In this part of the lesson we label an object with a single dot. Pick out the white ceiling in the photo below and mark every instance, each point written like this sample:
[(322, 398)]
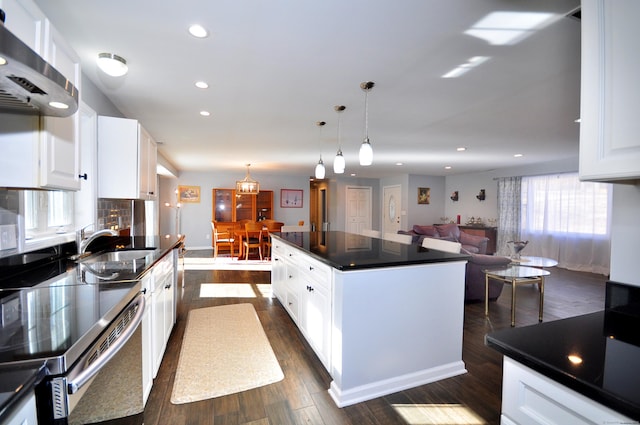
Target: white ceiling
[(275, 67)]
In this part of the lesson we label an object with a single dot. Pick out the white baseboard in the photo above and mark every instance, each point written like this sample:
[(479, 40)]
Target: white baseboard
[(376, 389)]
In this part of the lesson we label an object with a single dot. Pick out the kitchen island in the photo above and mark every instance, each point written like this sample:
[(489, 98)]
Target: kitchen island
[(381, 316)]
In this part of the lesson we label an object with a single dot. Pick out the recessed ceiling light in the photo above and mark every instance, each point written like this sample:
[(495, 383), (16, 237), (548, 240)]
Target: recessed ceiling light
[(447, 167), (461, 149), (205, 113), (518, 155), (202, 85), (3, 61), (198, 31), (399, 163), (353, 174)]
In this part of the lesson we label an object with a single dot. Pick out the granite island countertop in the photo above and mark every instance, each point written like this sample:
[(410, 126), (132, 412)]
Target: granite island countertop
[(349, 251), (607, 342)]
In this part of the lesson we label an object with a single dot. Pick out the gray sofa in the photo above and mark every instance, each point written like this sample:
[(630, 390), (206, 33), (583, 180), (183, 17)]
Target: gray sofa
[(474, 279), (451, 232)]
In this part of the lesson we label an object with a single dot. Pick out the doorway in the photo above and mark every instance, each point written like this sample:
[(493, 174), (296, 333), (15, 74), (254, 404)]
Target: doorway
[(391, 208), (319, 205), (358, 209)]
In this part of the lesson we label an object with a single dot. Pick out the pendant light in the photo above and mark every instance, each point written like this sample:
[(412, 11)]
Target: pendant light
[(320, 165), (366, 151), (339, 163), (247, 186)]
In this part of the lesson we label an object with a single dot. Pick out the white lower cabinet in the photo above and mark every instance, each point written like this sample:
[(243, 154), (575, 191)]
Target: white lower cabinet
[(158, 319), (529, 397), (147, 346), (303, 286), (161, 309), (25, 414)]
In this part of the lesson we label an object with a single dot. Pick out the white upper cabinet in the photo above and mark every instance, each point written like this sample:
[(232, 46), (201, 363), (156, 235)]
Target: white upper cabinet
[(610, 91), (127, 157), (40, 152), (60, 140), (25, 20)]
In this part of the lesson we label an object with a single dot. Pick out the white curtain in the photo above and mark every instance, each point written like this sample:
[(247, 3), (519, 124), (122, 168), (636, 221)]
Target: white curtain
[(567, 220), (509, 206)]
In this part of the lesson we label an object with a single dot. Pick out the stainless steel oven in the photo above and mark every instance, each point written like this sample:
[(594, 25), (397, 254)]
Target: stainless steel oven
[(90, 339)]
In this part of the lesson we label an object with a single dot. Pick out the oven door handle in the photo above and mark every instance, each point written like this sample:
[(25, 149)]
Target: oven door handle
[(87, 374)]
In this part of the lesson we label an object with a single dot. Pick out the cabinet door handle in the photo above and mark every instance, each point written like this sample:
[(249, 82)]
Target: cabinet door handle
[(83, 176), (167, 286)]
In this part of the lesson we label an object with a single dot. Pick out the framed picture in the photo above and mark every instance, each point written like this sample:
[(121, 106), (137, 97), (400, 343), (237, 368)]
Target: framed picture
[(424, 195), (189, 194), (291, 198)]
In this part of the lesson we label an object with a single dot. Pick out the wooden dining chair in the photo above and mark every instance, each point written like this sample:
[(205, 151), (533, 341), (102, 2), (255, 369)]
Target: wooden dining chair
[(223, 238), (253, 238)]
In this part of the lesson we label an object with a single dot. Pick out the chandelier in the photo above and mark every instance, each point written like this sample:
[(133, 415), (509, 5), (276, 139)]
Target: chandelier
[(247, 186)]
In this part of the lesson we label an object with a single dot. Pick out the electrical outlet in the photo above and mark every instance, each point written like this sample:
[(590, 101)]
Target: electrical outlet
[(8, 236)]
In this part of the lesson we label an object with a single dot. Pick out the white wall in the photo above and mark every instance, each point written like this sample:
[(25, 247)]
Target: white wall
[(625, 234), (425, 214), (196, 217), (468, 186)]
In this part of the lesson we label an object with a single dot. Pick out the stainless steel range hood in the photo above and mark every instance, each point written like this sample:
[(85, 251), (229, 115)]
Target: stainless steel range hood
[(29, 85)]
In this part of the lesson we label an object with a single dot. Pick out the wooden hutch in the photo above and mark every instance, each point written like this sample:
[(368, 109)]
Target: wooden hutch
[(229, 207)]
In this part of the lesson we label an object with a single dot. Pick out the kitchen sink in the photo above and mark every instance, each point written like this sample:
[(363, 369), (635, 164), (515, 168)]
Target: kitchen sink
[(115, 265), (118, 256)]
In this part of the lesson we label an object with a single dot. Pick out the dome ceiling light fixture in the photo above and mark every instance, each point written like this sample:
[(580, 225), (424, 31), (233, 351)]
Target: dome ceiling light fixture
[(320, 171), (366, 151), (112, 65), (339, 162)]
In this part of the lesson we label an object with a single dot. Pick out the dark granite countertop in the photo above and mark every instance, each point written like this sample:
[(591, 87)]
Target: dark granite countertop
[(349, 251), (607, 342)]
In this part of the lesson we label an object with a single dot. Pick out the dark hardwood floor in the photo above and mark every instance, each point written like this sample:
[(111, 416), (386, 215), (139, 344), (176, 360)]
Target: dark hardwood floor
[(302, 398)]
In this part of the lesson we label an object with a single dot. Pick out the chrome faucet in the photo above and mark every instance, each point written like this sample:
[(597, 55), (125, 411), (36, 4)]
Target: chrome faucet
[(83, 241)]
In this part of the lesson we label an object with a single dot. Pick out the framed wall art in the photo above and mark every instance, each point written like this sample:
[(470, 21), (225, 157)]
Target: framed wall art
[(424, 195), (188, 194), (291, 198)]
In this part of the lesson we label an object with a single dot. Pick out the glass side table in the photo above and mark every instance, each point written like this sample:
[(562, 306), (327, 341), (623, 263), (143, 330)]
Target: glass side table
[(515, 275)]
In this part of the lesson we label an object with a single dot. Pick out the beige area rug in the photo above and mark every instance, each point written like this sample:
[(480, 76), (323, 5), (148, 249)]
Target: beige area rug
[(225, 263), (224, 351)]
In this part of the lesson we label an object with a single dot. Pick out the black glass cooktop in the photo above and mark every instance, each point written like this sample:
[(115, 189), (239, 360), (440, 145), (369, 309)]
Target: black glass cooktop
[(58, 319)]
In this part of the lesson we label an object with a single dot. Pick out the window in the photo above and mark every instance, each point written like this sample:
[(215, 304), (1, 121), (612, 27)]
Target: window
[(562, 204), (47, 212), (567, 220)]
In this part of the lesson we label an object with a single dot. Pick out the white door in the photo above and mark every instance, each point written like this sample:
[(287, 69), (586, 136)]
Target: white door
[(358, 209), (391, 209)]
